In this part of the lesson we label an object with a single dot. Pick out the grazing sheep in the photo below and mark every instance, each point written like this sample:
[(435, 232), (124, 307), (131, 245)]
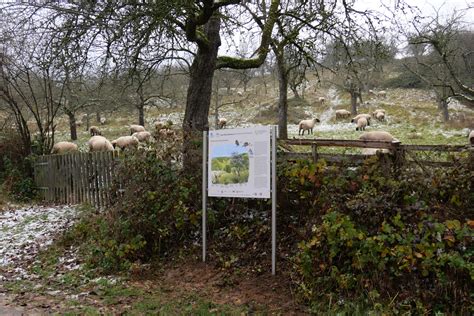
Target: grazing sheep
[(78, 123), (95, 131), (136, 128), (142, 136), (371, 93), (102, 120), (382, 94), (376, 136), (167, 132), (99, 143), (221, 123), (159, 125), (307, 125), (63, 148), (380, 116), (361, 124), (342, 114), (125, 142), (321, 100), (471, 138), (363, 115)]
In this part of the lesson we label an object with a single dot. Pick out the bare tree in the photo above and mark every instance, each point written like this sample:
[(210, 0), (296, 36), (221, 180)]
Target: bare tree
[(442, 56), (30, 87)]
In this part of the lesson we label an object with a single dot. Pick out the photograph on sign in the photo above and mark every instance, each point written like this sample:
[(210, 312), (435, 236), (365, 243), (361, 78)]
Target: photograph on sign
[(239, 162)]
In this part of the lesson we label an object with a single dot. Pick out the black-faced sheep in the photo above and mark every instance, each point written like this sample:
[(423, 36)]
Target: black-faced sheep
[(361, 124), (321, 100), (136, 128), (142, 136), (357, 117), (102, 120), (307, 125), (221, 123), (380, 116), (471, 138), (99, 143), (342, 114), (94, 130), (125, 142), (63, 148)]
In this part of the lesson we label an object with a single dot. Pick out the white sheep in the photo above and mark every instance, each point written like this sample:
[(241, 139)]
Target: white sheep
[(142, 136), (102, 120), (471, 138), (63, 147), (342, 114), (125, 142), (376, 136), (167, 132), (361, 124), (307, 125), (136, 128), (99, 143), (371, 93), (382, 94), (321, 100), (221, 123), (362, 115), (159, 125), (94, 130), (380, 116)]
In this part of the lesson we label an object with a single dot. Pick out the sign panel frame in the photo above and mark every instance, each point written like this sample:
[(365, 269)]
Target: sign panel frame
[(241, 184)]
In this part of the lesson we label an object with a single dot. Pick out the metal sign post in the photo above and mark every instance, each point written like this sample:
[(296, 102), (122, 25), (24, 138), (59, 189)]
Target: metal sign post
[(254, 149), (204, 194), (274, 202)]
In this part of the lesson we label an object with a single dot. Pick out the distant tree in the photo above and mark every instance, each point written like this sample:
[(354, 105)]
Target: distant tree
[(355, 63)]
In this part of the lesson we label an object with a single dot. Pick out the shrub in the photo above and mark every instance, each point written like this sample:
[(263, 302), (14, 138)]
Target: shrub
[(407, 235), (154, 210), (16, 173)]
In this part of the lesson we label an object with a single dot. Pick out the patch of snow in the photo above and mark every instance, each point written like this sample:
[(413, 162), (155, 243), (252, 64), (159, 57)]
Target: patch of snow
[(24, 232)]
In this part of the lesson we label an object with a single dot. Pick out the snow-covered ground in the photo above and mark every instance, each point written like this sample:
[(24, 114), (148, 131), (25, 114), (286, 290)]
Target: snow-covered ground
[(25, 231)]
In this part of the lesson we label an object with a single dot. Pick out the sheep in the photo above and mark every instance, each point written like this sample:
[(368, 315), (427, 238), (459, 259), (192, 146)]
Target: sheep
[(136, 128), (321, 100), (376, 136), (78, 123), (382, 94), (341, 114), (159, 125), (63, 147), (357, 117), (99, 143), (380, 116), (221, 123), (125, 142), (95, 131), (371, 93), (167, 132), (307, 125), (471, 138), (142, 136), (102, 120), (361, 124)]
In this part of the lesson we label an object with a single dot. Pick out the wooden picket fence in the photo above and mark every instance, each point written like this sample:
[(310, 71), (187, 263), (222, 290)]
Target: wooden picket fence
[(76, 178)]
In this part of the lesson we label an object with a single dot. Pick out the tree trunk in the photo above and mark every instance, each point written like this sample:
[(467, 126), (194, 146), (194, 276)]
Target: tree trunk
[(353, 102), (443, 104), (199, 95), (141, 114), (283, 97), (72, 125), (97, 116)]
